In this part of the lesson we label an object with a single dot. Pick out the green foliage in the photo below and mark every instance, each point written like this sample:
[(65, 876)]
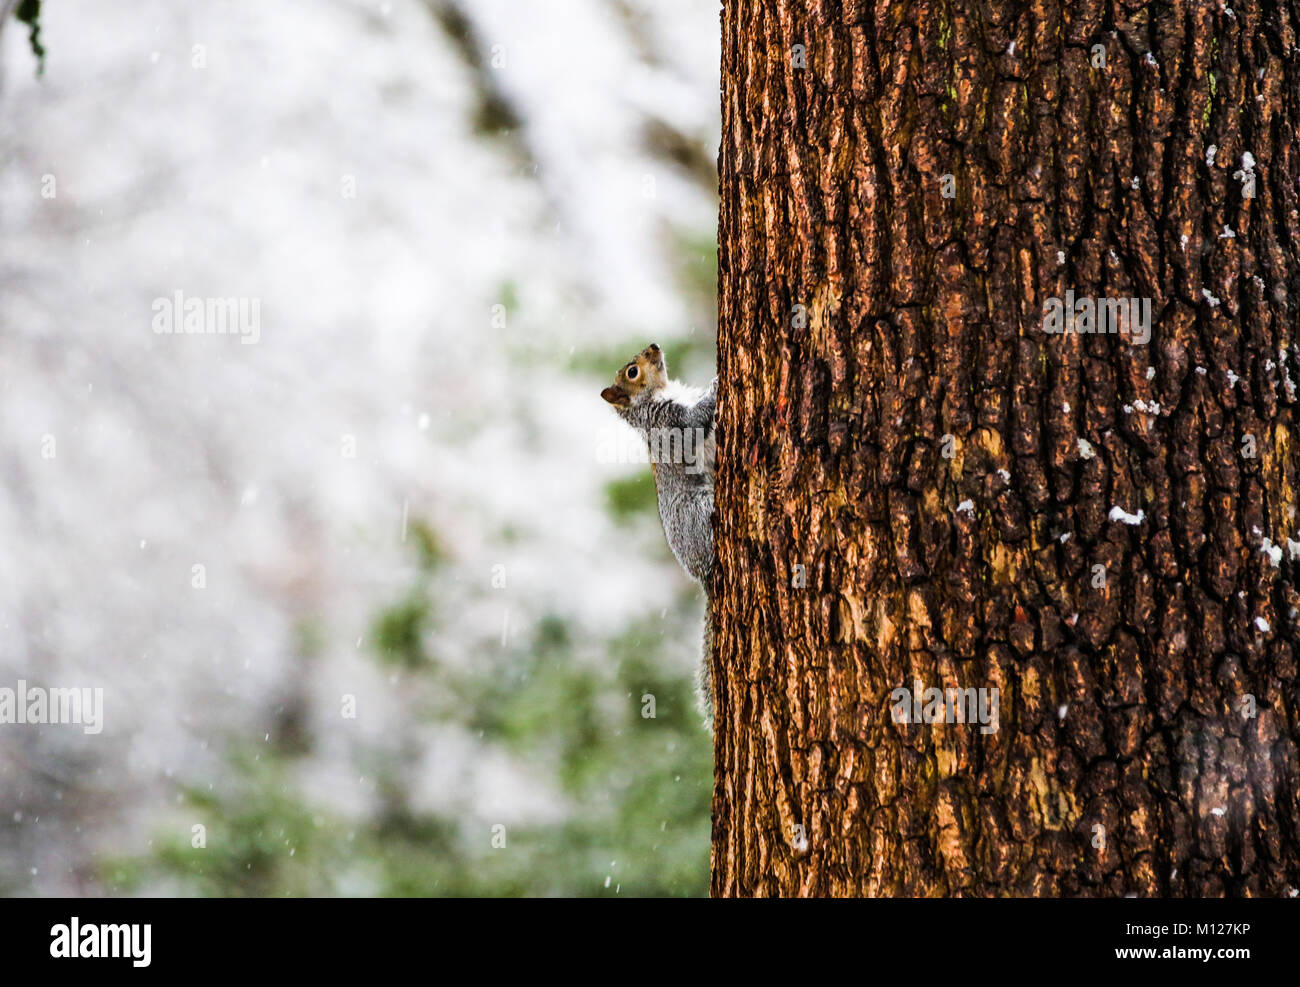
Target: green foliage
[(628, 497), (398, 631), (697, 269), (508, 296), (634, 791)]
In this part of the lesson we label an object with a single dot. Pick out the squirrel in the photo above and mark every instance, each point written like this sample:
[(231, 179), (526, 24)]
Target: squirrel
[(676, 422)]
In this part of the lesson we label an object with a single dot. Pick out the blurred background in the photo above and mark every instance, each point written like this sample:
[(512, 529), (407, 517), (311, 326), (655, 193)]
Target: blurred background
[(370, 599)]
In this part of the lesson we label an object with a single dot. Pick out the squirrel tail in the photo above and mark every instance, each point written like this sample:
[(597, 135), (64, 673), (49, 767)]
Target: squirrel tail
[(704, 678)]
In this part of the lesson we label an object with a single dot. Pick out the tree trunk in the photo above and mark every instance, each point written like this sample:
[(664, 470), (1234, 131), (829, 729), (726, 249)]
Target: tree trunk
[(918, 484)]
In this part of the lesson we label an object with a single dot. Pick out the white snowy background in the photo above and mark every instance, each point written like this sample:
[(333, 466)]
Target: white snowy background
[(228, 178)]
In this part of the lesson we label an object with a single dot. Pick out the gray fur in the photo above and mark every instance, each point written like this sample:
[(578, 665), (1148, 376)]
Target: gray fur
[(684, 487)]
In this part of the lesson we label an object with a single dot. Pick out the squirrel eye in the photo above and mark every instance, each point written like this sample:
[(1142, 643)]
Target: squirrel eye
[(632, 372)]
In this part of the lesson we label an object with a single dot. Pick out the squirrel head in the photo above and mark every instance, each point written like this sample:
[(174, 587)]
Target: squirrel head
[(645, 374)]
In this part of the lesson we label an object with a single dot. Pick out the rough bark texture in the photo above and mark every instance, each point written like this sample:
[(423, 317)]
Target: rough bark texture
[(1127, 760)]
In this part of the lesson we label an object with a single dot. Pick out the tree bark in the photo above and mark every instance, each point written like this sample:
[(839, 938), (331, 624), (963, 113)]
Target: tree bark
[(894, 419)]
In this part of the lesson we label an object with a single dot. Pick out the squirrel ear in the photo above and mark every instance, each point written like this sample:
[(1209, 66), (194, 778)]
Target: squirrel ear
[(616, 396)]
